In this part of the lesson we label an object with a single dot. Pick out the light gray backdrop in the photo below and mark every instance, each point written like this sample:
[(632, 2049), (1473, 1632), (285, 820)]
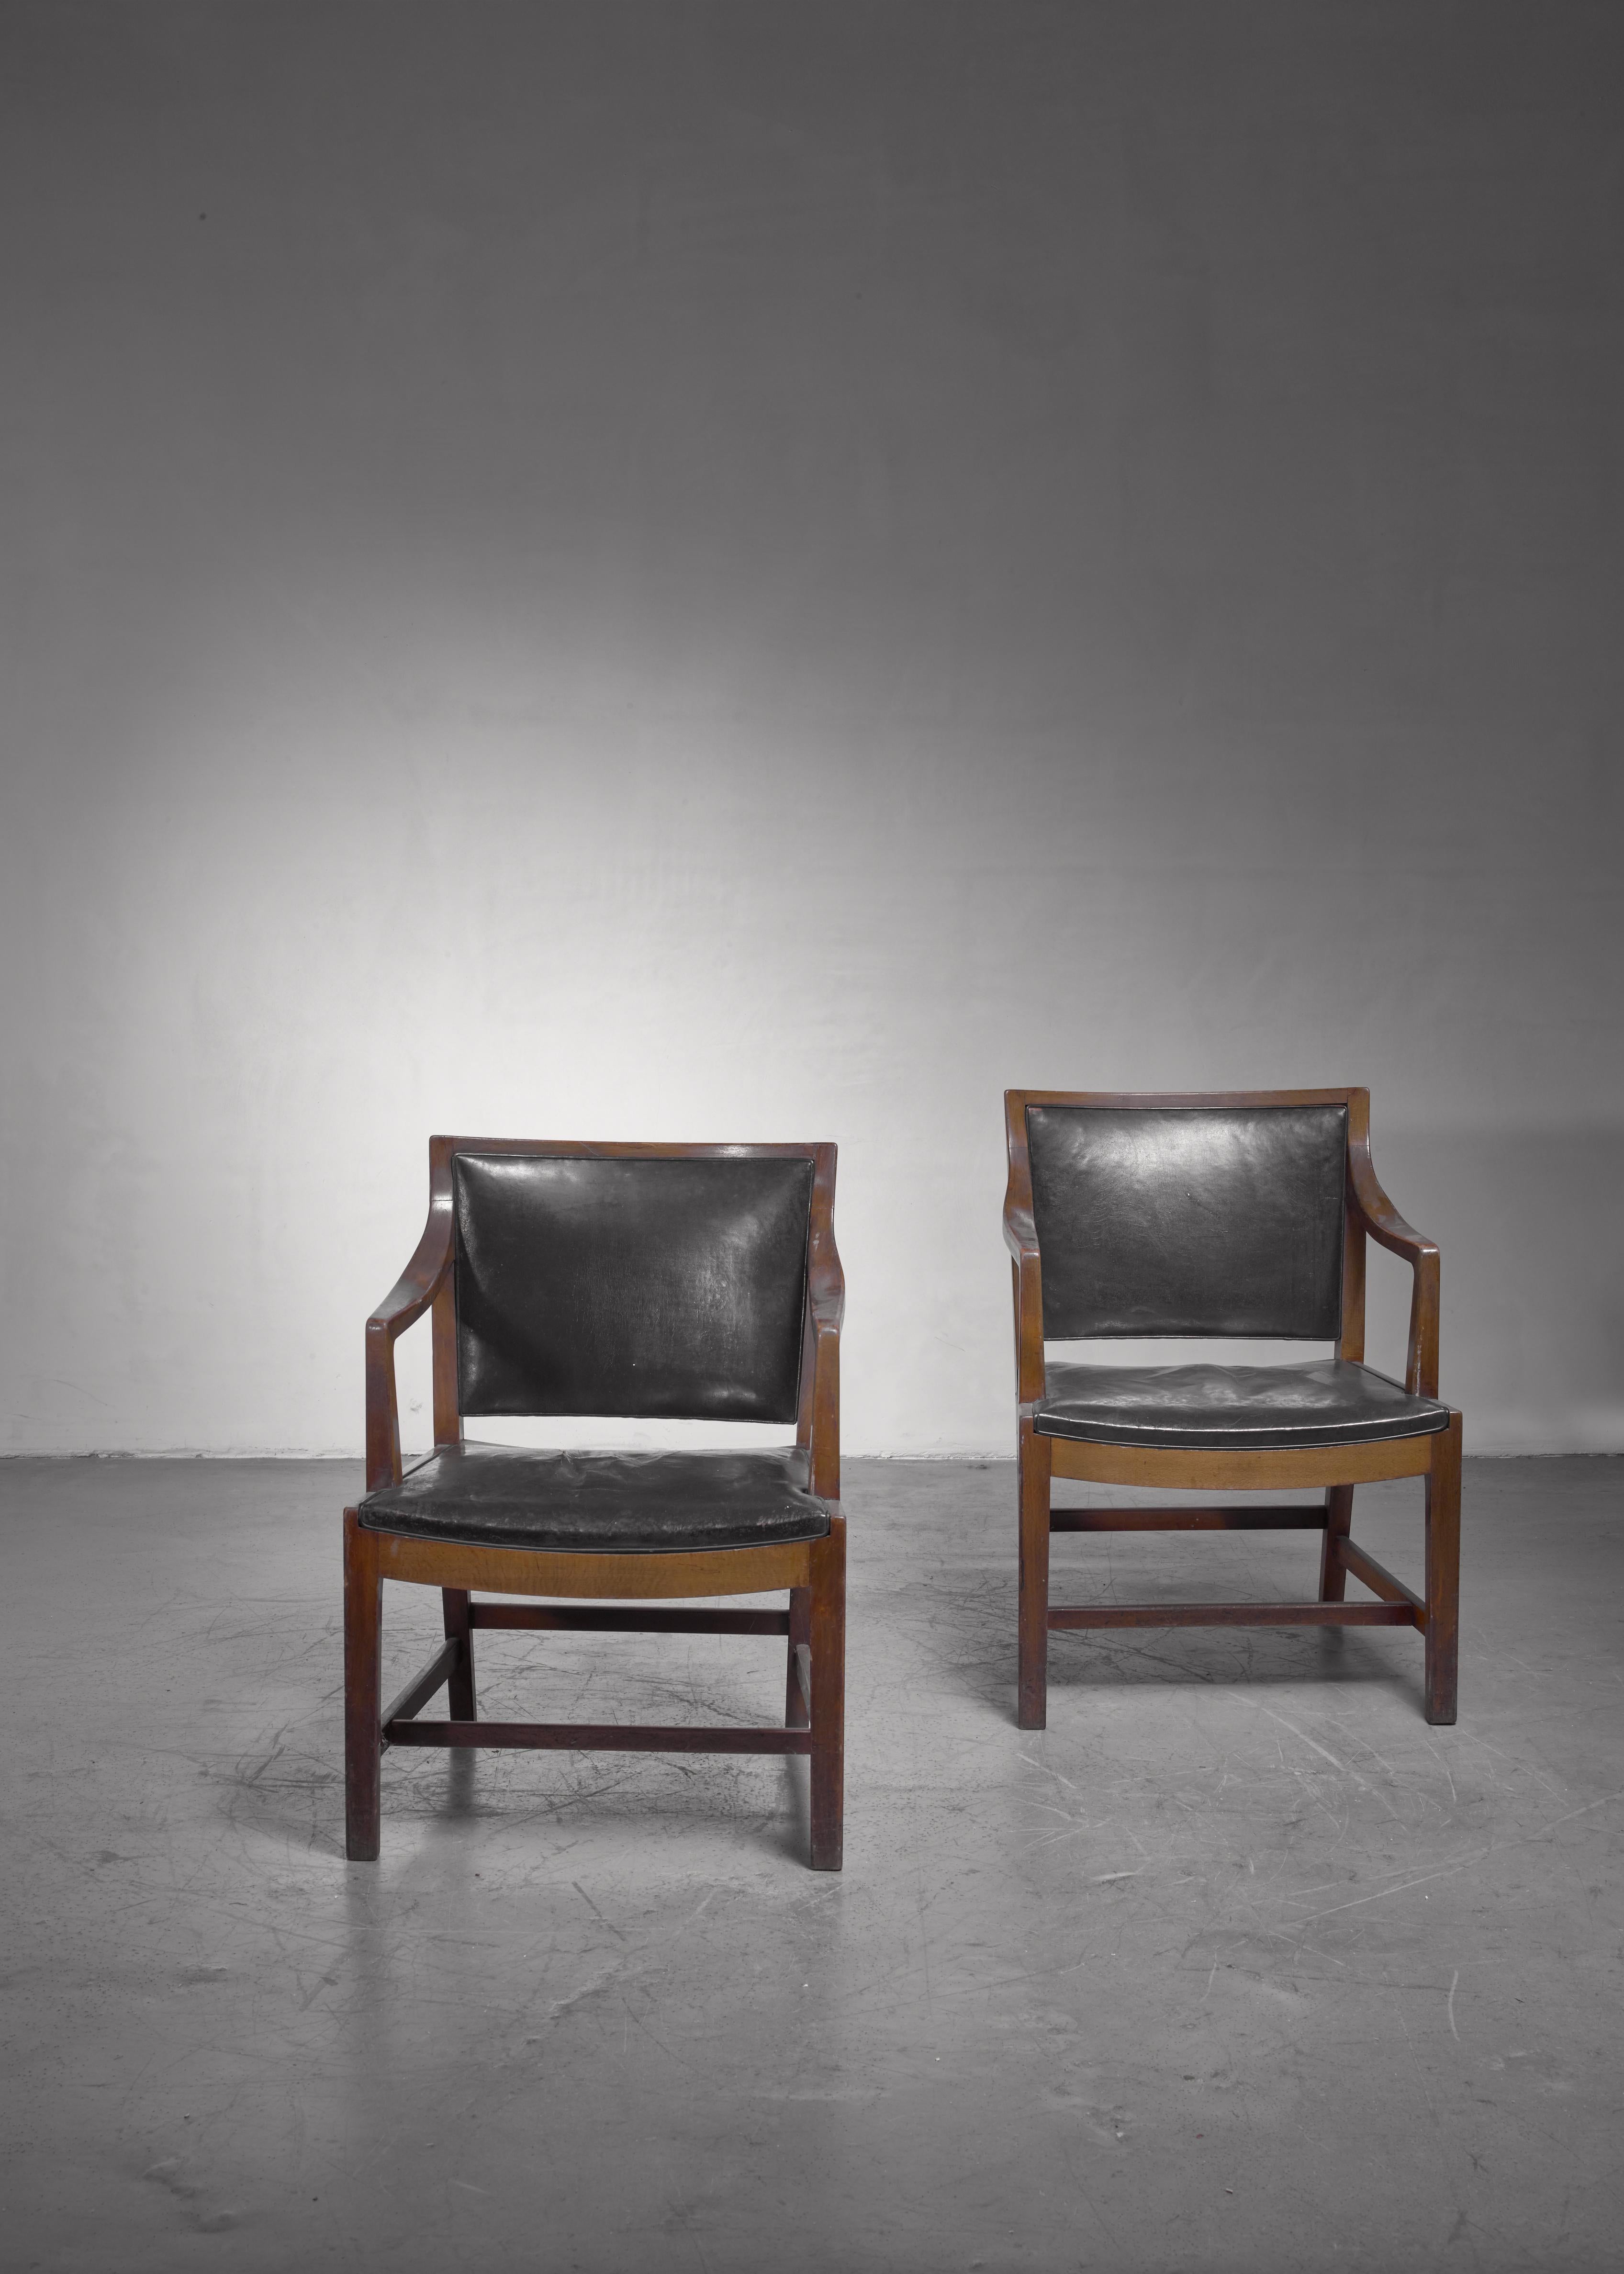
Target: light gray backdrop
[(769, 570)]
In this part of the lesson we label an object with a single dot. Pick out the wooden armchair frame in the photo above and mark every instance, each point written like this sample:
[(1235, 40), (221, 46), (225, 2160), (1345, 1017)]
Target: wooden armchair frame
[(1334, 1469), (813, 1571)]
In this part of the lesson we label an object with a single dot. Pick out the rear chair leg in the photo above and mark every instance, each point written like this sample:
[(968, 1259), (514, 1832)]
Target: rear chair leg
[(1032, 1708), (460, 1700), (362, 1694), (828, 1633), (1443, 1574), (1338, 1524), (795, 1716)]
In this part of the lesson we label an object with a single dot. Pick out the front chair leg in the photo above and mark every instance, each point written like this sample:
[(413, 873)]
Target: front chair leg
[(363, 1691), (1443, 1574), (828, 1631), (1035, 1465), (795, 1715), (1338, 1524), (460, 1697)]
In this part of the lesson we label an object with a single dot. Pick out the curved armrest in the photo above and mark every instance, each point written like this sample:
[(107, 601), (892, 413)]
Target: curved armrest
[(1376, 1216), (1020, 1237), (1021, 1233), (825, 1285), (404, 1304), (419, 1282), (826, 1304)]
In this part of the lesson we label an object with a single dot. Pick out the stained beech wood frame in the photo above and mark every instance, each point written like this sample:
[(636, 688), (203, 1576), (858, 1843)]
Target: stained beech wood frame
[(1334, 1469), (813, 1572)]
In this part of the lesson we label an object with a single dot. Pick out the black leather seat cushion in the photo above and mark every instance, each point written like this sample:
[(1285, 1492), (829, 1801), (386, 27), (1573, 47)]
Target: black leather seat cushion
[(1327, 1402), (602, 1503)]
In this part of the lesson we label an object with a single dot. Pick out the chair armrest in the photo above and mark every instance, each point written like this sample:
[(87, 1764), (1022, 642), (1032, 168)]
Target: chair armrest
[(404, 1304), (1377, 1214), (826, 1304), (1020, 1237), (1020, 1234), (418, 1285), (1381, 1220), (825, 1286)]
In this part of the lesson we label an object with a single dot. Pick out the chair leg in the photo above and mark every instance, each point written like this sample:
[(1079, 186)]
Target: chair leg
[(460, 1697), (363, 1691), (828, 1633), (1338, 1524), (1035, 1460), (795, 1716), (1443, 1574)]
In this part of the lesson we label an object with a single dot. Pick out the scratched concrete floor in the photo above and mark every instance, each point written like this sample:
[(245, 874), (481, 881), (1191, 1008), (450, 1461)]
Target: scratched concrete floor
[(1238, 1966)]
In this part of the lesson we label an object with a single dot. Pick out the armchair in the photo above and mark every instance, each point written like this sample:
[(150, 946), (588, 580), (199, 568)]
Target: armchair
[(1242, 1214), (697, 1281)]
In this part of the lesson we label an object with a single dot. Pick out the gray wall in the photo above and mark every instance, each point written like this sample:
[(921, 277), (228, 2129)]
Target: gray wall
[(772, 569)]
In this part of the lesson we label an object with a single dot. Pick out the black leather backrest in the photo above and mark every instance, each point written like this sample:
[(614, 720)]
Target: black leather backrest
[(1222, 1220), (658, 1287)]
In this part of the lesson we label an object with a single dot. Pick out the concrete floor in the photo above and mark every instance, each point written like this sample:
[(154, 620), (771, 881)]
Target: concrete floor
[(1239, 1965)]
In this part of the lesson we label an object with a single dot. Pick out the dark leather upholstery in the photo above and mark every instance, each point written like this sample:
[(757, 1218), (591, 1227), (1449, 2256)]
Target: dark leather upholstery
[(1224, 1220), (602, 1503), (1327, 1402), (658, 1287)]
